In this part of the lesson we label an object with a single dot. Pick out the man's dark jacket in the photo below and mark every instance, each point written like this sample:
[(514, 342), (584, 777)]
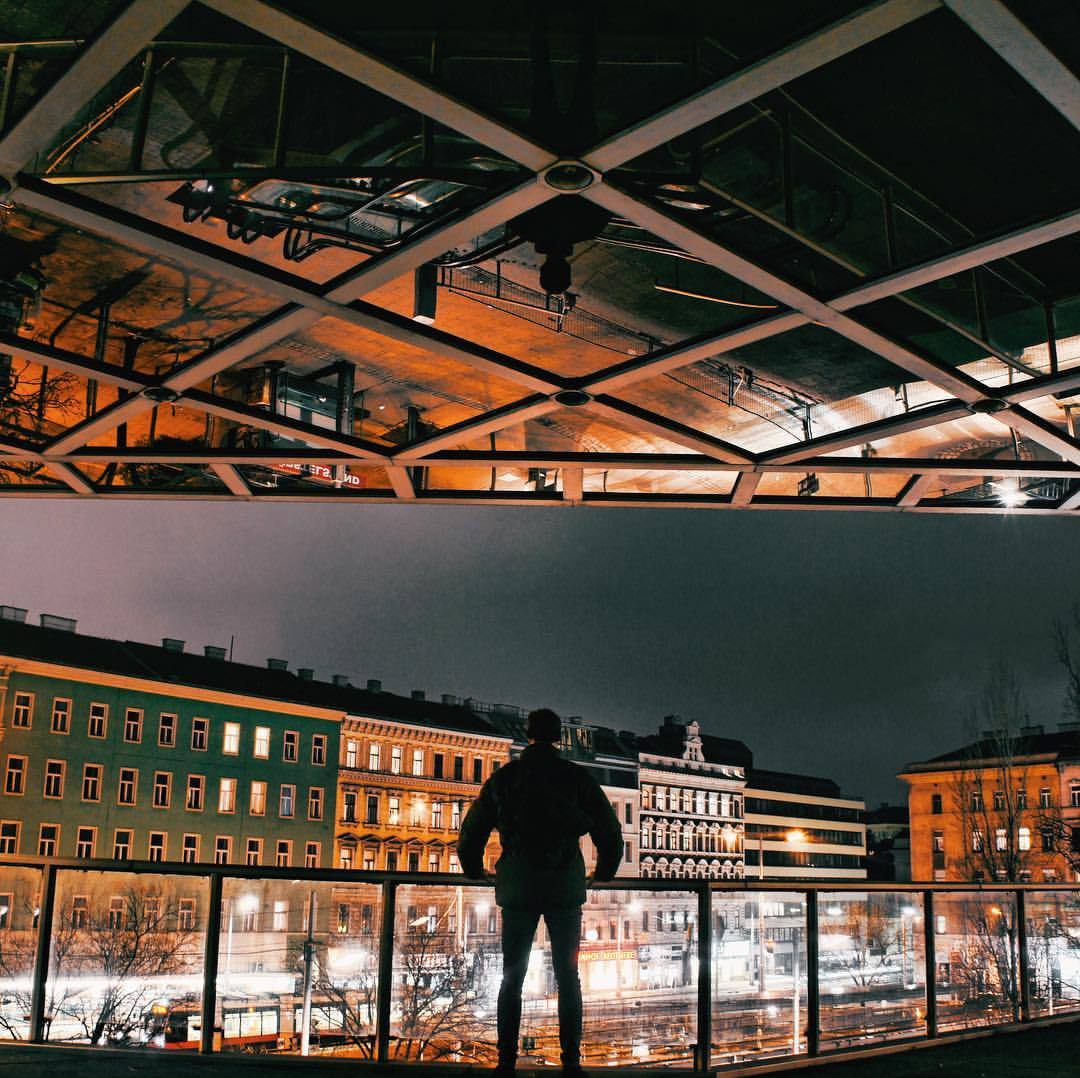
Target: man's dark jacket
[(541, 805)]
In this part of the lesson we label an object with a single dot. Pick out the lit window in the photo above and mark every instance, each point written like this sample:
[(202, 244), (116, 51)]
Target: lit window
[(91, 782), (262, 742), (436, 814), (368, 863), (395, 760), (133, 725), (121, 845), (433, 862), (196, 790), (156, 847), (318, 749), (186, 915), (454, 865), (22, 717), (280, 922), (1001, 839), (80, 908), (312, 854), (61, 716), (393, 810), (257, 806), (374, 756), (230, 744), (455, 815), (222, 850), (200, 734), (283, 853), (162, 789), (976, 840), (1023, 840), (166, 736), (253, 853), (189, 853), (98, 722), (287, 800), (290, 746), (976, 801), (418, 761), (352, 753), (1074, 795), (1044, 797), (48, 840), (15, 776), (128, 782), (345, 857), (227, 795), (85, 841), (315, 803), (9, 836)]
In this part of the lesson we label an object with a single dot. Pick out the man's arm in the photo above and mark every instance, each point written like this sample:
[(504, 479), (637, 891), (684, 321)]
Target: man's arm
[(475, 829), (605, 831)]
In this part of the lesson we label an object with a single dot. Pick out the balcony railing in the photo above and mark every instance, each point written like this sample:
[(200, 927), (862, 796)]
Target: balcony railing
[(395, 966)]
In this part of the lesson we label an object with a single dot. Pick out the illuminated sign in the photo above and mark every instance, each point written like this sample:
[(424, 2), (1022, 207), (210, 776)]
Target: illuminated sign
[(607, 954)]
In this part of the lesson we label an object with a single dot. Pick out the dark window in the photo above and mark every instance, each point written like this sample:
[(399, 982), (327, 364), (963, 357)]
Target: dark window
[(1074, 843), (414, 862), (935, 804), (372, 809), (459, 768), (477, 769), (437, 765)]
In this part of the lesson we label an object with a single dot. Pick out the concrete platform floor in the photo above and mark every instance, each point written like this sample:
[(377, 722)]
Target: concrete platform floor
[(1046, 1052)]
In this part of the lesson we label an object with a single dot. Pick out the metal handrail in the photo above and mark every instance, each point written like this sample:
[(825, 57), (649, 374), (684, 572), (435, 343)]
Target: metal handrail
[(389, 882)]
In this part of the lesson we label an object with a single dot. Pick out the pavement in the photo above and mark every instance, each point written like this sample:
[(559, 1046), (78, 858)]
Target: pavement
[(1048, 1052)]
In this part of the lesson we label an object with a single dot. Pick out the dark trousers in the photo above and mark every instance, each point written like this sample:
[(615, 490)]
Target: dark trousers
[(564, 931)]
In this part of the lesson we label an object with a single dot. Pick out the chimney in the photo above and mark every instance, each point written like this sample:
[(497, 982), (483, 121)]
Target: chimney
[(374, 685), (277, 664), (13, 613), (340, 680), (170, 643), (450, 699), (212, 652), (54, 621), (305, 673), (418, 694)]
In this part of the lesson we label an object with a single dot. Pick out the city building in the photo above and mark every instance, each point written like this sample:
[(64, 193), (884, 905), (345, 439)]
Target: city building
[(888, 843), (1003, 807), (691, 803), (409, 771), (801, 827), (130, 751)]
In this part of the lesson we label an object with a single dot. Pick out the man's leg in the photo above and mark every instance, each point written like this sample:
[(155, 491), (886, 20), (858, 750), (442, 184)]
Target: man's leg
[(564, 930), (518, 929)]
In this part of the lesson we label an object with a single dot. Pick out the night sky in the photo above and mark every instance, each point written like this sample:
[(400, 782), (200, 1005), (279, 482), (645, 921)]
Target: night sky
[(839, 644)]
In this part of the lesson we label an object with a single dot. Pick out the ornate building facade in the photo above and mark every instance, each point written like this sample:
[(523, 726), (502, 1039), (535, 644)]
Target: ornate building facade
[(405, 785)]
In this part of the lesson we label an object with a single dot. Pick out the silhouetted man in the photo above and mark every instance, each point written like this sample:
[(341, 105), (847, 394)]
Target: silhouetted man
[(541, 805)]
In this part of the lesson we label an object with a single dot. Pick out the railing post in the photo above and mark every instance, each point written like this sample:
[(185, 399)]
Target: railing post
[(703, 1051), (813, 988), (1024, 959), (210, 965), (42, 953), (930, 957), (385, 988)]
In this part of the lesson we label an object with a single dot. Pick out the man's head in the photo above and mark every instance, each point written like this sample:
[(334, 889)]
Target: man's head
[(543, 725)]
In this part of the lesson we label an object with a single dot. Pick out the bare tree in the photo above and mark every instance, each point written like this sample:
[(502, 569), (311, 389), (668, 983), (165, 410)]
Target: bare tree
[(1066, 634)]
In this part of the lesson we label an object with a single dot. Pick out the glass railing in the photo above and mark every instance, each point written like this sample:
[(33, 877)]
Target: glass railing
[(689, 974)]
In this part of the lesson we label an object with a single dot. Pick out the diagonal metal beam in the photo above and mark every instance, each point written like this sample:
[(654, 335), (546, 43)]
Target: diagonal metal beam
[(1023, 52), (746, 484), (915, 490), (867, 432), (496, 420), (228, 474), (662, 224), (401, 481), (60, 359), (67, 474), (142, 234), (96, 65), (1072, 502), (766, 75), (402, 87), (1040, 430), (1063, 382), (630, 415), (573, 481)]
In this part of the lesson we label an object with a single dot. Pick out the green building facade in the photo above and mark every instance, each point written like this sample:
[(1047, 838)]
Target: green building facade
[(118, 750)]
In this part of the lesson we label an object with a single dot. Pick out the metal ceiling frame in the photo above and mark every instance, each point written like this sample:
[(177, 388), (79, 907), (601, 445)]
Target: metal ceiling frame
[(305, 303)]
